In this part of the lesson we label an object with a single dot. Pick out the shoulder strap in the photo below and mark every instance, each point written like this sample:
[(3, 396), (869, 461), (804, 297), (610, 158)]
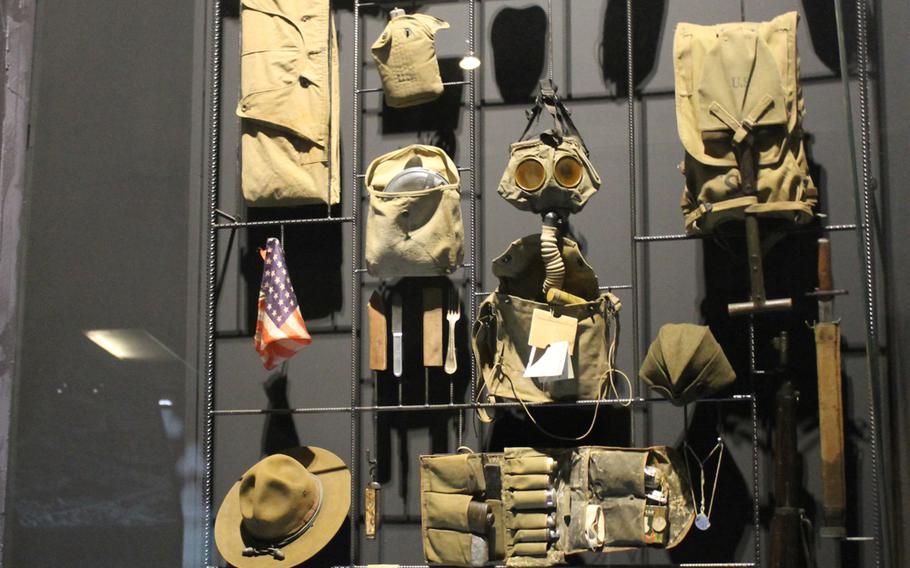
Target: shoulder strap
[(548, 100)]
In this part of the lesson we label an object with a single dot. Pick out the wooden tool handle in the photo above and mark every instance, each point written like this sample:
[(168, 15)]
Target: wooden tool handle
[(376, 315), (825, 276)]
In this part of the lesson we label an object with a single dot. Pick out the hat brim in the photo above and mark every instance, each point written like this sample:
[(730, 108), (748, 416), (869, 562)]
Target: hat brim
[(336, 483)]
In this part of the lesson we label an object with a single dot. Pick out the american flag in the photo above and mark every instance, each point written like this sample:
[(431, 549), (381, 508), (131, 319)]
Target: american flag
[(280, 331)]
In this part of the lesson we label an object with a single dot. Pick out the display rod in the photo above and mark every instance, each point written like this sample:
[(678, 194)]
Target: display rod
[(355, 282), (864, 219), (211, 258)]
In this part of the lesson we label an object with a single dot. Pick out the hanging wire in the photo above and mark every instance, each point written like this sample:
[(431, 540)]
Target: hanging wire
[(550, 40)]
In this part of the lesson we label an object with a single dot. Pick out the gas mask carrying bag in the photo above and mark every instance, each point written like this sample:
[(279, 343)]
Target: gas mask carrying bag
[(534, 507), (414, 225), (405, 55), (552, 170), (739, 111), (502, 329)]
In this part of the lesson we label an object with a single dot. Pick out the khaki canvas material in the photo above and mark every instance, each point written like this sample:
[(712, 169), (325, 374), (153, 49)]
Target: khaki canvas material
[(738, 95), (547, 148), (289, 103), (405, 55), (544, 527), (551, 195), (413, 233), (500, 333), (278, 497), (449, 486), (685, 363)]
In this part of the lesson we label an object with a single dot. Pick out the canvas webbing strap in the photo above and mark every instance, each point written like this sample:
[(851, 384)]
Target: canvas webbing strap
[(741, 130), (743, 145), (562, 120)]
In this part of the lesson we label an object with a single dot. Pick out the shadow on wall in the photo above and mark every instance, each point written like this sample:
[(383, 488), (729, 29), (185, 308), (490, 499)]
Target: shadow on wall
[(435, 122), (306, 246), (648, 18), (790, 271), (518, 37), (280, 433), (822, 26), (418, 384)]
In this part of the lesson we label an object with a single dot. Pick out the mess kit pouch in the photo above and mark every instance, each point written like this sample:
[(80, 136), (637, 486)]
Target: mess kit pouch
[(413, 233), (739, 110), (546, 504), (501, 331), (552, 170), (405, 55)]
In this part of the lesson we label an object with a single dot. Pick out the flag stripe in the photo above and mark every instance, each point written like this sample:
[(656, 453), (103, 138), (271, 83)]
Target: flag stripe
[(280, 328)]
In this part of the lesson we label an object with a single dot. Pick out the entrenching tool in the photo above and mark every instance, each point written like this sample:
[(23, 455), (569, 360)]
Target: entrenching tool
[(758, 302), (830, 398)]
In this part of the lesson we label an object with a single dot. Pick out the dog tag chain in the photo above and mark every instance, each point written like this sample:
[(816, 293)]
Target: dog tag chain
[(703, 517)]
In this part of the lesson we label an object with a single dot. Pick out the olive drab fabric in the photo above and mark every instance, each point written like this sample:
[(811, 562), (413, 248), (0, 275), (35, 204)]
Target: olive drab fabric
[(500, 333), (550, 171), (739, 111), (413, 233), (685, 362), (542, 505), (548, 192), (289, 103), (288, 505), (405, 55)]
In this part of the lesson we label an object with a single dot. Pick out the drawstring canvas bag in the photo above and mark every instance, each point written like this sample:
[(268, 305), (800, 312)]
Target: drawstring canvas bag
[(413, 231), (739, 111), (405, 55), (550, 171)]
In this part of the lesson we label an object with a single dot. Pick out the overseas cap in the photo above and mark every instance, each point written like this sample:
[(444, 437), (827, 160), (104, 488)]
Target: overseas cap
[(685, 362)]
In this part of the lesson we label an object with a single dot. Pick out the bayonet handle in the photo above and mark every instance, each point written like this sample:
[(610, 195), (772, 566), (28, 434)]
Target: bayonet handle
[(825, 276)]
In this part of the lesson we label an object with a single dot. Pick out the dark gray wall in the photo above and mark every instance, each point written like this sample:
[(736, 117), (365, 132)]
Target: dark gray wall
[(682, 281), (113, 225), (93, 470), (895, 145)]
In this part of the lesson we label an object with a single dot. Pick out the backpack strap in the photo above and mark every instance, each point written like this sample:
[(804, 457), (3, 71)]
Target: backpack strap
[(741, 130)]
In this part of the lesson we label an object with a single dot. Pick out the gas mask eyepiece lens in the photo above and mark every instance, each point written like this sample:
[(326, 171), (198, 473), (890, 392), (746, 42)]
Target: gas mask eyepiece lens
[(530, 175), (568, 171)]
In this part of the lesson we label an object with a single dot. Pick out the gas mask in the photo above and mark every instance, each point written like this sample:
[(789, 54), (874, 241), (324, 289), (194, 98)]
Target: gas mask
[(550, 171)]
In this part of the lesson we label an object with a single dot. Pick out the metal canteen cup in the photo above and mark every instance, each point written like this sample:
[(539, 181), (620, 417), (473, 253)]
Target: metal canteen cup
[(414, 179)]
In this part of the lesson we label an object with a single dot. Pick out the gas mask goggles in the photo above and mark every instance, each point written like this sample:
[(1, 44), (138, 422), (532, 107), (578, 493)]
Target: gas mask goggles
[(550, 171)]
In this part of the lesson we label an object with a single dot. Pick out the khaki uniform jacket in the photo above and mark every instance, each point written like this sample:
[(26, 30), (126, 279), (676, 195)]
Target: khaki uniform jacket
[(289, 103)]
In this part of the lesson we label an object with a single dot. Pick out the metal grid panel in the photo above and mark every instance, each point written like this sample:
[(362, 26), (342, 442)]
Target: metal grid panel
[(864, 220)]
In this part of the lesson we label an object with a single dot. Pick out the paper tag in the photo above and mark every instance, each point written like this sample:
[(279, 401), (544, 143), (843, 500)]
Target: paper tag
[(547, 329), (551, 364)]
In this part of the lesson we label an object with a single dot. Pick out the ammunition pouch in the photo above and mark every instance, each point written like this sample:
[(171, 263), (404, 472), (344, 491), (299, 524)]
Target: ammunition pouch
[(547, 504)]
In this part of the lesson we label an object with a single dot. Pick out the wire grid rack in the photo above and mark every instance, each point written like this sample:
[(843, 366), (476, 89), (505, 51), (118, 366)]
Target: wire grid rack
[(862, 184)]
